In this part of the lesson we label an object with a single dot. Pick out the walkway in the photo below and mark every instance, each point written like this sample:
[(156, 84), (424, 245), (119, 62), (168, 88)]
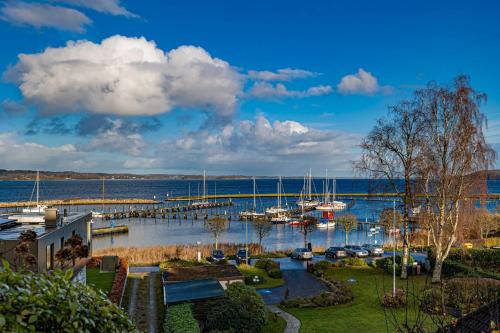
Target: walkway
[(143, 298), (292, 323), (299, 284)]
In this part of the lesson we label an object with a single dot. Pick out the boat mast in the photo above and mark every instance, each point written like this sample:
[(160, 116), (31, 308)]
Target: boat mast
[(310, 184), (254, 201), (103, 194), (189, 193), (37, 186), (204, 185)]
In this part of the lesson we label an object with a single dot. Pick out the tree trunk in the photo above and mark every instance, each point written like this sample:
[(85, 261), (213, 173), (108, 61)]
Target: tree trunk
[(346, 237), (217, 242), (436, 273)]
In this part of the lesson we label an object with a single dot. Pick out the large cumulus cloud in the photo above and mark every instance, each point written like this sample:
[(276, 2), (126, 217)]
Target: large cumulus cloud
[(260, 146), (126, 76)]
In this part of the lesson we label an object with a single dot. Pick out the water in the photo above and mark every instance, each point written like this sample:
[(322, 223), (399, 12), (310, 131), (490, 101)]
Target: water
[(149, 232)]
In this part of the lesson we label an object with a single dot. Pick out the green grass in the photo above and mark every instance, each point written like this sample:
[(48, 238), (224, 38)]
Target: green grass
[(364, 314), (102, 281), (268, 282), (275, 324)]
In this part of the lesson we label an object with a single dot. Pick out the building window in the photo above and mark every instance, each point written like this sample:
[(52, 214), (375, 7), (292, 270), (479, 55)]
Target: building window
[(73, 232), (50, 257)]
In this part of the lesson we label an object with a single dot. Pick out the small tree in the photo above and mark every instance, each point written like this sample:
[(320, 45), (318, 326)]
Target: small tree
[(310, 225), (386, 219), (24, 247), (262, 228), (72, 250), (349, 222), (217, 225)]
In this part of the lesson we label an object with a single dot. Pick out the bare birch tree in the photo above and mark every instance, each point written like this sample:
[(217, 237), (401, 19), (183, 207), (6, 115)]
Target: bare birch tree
[(217, 225), (391, 151), (453, 148)]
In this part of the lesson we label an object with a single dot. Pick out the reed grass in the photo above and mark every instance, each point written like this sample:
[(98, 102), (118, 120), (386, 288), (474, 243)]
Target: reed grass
[(153, 255)]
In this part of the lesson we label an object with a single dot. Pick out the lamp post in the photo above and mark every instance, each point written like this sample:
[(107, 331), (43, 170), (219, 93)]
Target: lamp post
[(198, 252), (394, 251)]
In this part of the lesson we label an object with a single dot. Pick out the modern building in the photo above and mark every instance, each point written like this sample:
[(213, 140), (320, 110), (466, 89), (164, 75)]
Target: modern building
[(50, 236)]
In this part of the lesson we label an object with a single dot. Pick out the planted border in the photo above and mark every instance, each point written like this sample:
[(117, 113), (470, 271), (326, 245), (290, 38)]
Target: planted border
[(118, 287)]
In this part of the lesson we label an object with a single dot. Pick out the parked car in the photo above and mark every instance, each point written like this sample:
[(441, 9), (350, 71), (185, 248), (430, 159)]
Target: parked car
[(335, 252), (217, 255), (302, 253), (355, 251), (241, 256), (373, 250)]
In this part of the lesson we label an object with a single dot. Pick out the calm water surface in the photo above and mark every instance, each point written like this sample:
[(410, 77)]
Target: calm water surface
[(149, 232)]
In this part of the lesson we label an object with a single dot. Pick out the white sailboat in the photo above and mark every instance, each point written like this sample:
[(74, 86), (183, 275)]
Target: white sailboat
[(101, 213), (278, 208), (38, 208), (204, 202), (252, 213), (307, 201), (331, 205)]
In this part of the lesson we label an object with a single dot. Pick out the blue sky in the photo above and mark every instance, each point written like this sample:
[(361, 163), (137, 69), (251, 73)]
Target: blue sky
[(261, 87)]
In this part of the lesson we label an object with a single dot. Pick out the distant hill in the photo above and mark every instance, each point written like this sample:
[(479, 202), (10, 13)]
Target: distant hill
[(61, 175)]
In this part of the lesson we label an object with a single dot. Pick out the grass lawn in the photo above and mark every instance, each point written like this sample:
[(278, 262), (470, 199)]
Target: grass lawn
[(268, 282), (275, 324), (102, 281), (364, 314)]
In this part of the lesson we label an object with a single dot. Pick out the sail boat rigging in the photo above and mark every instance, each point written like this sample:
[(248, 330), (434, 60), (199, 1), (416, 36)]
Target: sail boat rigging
[(328, 204), (203, 202), (307, 201), (38, 208), (253, 212)]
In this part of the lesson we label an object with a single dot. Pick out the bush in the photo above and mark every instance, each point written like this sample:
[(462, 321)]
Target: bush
[(118, 285), (454, 268), (51, 303), (242, 310), (320, 267), (222, 262), (353, 262), (386, 263), (179, 319), (266, 264), (394, 301), (275, 273)]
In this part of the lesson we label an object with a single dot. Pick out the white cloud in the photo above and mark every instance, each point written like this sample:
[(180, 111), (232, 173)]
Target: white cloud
[(267, 90), (126, 76), (112, 7), (362, 83), (116, 139), (285, 74), (44, 16), (259, 147)]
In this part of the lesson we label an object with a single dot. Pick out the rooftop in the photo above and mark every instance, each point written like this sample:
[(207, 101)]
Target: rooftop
[(203, 272), (194, 290), (13, 228)]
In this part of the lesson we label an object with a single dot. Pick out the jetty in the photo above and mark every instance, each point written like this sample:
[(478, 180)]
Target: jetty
[(366, 196), (80, 202), (119, 229)]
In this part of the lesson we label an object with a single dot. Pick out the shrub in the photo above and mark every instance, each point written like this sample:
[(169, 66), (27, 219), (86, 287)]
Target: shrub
[(322, 266), (52, 303), (176, 262), (222, 262), (179, 319), (266, 264), (275, 273), (454, 268), (339, 293), (386, 263), (353, 262), (242, 310), (394, 301), (118, 285)]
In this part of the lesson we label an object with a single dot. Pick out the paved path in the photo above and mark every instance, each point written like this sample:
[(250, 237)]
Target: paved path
[(299, 284), (292, 323), (133, 297)]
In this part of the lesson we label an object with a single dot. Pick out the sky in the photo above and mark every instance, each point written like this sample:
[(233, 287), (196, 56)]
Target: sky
[(233, 87)]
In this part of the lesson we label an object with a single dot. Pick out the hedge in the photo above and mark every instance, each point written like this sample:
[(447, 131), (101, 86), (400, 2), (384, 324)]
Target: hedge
[(487, 259), (180, 319), (116, 292), (452, 268)]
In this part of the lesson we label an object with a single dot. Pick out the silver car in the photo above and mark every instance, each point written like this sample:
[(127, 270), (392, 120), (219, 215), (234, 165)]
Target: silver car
[(373, 250), (302, 253), (355, 251)]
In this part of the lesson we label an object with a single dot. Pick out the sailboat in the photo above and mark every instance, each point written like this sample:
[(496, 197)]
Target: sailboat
[(307, 201), (278, 208), (252, 213), (101, 213), (38, 208), (331, 205), (203, 202), (278, 212)]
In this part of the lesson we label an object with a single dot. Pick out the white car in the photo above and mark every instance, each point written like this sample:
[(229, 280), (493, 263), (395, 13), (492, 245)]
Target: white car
[(302, 253), (355, 251)]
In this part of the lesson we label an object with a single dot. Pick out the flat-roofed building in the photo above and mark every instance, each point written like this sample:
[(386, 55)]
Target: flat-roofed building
[(50, 237)]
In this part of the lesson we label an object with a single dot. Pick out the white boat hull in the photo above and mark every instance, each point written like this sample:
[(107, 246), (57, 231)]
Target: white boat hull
[(325, 225)]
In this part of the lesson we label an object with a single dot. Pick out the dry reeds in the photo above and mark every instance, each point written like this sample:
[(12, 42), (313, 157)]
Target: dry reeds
[(153, 255)]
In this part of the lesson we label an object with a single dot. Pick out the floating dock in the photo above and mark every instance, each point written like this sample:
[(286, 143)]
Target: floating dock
[(79, 202), (119, 229)]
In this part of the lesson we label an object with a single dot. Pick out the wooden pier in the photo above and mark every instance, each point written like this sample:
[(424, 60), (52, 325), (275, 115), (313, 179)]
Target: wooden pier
[(79, 202)]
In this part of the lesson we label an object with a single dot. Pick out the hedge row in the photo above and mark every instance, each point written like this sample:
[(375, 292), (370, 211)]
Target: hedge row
[(453, 268), (180, 319), (487, 259), (116, 292), (272, 268)]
